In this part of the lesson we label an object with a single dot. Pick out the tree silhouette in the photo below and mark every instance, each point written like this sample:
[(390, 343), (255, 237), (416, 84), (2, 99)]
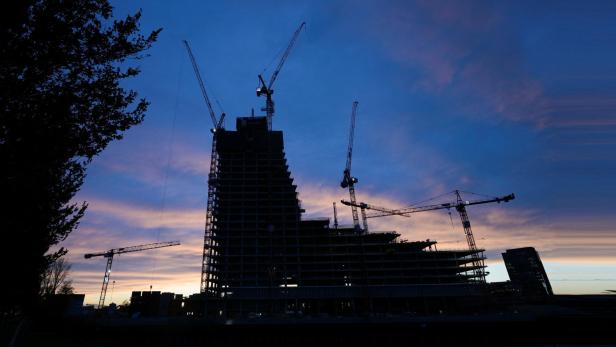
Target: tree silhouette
[(61, 102), (55, 278)]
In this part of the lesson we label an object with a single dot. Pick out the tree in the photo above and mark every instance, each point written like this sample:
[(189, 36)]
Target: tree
[(61, 102), (67, 288), (55, 279)]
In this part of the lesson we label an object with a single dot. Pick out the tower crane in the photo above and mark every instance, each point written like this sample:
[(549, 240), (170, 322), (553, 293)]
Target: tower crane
[(109, 255), (266, 88), (349, 181), (216, 123), (212, 178), (459, 204)]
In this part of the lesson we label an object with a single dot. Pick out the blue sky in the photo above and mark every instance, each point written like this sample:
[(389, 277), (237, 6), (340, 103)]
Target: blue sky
[(486, 97)]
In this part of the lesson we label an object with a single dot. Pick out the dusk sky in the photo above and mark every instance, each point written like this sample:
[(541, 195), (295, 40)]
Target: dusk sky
[(489, 98)]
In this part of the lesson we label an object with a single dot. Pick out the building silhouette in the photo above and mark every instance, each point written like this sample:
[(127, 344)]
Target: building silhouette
[(526, 272), (155, 303), (263, 258)]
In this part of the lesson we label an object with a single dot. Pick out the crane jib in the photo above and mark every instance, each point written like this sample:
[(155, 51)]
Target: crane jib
[(201, 84), (266, 89), (478, 268), (110, 253)]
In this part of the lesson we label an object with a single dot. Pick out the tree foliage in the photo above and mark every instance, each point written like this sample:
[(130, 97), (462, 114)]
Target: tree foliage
[(66, 288), (62, 63)]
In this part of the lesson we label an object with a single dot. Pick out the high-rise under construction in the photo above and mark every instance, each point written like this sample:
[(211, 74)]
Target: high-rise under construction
[(261, 256)]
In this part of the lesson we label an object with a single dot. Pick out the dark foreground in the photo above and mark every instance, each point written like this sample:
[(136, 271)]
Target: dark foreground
[(483, 330)]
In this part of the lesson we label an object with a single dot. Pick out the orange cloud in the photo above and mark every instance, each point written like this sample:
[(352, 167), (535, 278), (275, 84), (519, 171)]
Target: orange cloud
[(111, 224), (147, 217), (150, 162), (496, 227)]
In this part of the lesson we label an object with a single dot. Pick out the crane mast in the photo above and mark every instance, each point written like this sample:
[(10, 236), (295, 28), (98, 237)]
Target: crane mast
[(109, 255), (208, 240), (459, 204), (478, 263), (349, 181), (266, 88)]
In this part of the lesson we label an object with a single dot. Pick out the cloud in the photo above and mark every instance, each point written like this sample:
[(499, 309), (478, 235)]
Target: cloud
[(497, 227), (580, 110), (150, 161), (147, 217), (90, 282), (465, 54), (115, 223), (464, 48), (472, 54)]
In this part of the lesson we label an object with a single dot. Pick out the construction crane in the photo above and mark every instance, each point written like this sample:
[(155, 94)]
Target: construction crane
[(349, 181), (459, 204), (216, 123), (212, 179), (109, 255), (266, 88)]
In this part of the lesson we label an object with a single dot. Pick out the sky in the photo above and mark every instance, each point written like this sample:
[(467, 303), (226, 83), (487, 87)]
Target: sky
[(484, 97)]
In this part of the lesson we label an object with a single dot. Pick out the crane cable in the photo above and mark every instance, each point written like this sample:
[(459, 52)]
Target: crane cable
[(477, 194), (275, 58), (453, 228), (167, 167), (423, 202)]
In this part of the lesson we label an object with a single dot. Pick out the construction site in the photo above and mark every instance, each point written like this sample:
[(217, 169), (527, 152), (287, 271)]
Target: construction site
[(262, 258), (265, 266)]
